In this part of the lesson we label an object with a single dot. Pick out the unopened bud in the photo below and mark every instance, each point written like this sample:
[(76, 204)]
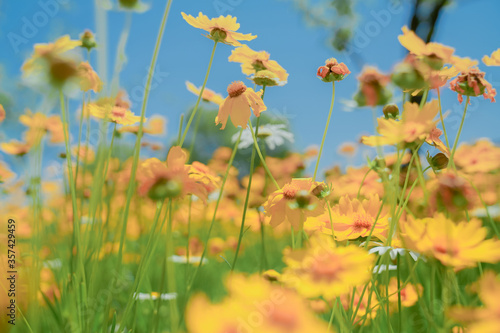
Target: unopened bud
[(391, 111)]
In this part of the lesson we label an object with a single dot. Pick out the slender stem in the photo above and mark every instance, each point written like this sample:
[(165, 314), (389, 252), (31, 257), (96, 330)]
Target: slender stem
[(174, 314), (137, 148), (80, 136), (193, 113), (228, 169), (424, 98), (247, 197), (262, 160), (120, 57), (442, 119), (363, 182), (459, 132), (326, 130)]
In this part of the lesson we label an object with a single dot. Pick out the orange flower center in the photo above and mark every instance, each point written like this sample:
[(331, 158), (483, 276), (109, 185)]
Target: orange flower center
[(118, 112), (290, 191), (326, 269), (236, 88), (362, 221)]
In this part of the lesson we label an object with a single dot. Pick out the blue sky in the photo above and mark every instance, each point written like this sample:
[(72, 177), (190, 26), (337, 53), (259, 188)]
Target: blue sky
[(471, 27)]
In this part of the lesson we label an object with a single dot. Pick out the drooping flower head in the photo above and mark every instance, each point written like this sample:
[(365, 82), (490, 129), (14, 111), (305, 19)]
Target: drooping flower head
[(434, 54), (372, 88), (89, 80), (323, 269), (221, 29), (207, 96), (255, 61), (295, 202), (333, 71), (116, 110), (472, 83), (238, 104)]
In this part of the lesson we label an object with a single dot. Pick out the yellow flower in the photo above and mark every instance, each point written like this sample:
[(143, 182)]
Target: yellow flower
[(238, 104), (415, 125), (208, 95), (484, 319), (114, 109), (2, 113), (154, 126), (253, 305), (49, 51), (89, 80), (295, 202), (221, 29), (253, 61), (483, 156), (458, 245), (494, 60), (434, 52), (38, 124), (323, 269), (409, 294), (353, 218), (5, 173), (15, 147)]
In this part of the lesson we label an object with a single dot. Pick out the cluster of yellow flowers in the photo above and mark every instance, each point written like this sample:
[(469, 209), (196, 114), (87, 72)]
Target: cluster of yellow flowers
[(352, 235)]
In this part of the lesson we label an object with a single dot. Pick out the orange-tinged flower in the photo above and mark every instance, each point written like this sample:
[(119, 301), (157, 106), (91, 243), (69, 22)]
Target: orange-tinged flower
[(174, 179), (295, 202), (472, 83), (458, 245), (494, 60), (434, 140), (49, 51), (323, 269), (372, 88), (482, 156), (366, 303), (89, 80), (208, 95), (484, 319), (2, 113), (409, 294), (38, 124), (154, 126), (253, 305), (333, 71), (348, 149), (415, 125), (434, 52), (116, 110), (353, 218), (15, 147), (5, 173), (453, 192), (253, 61), (221, 29), (354, 178), (238, 104)]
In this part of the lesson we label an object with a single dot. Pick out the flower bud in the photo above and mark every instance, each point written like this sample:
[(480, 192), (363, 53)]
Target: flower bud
[(333, 71), (407, 77), (438, 161), (88, 40), (128, 3), (391, 111)]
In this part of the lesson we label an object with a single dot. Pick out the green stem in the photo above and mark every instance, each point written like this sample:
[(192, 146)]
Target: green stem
[(79, 137), (442, 119), (247, 197), (262, 160), (459, 132), (137, 148), (228, 169), (193, 113), (326, 130)]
